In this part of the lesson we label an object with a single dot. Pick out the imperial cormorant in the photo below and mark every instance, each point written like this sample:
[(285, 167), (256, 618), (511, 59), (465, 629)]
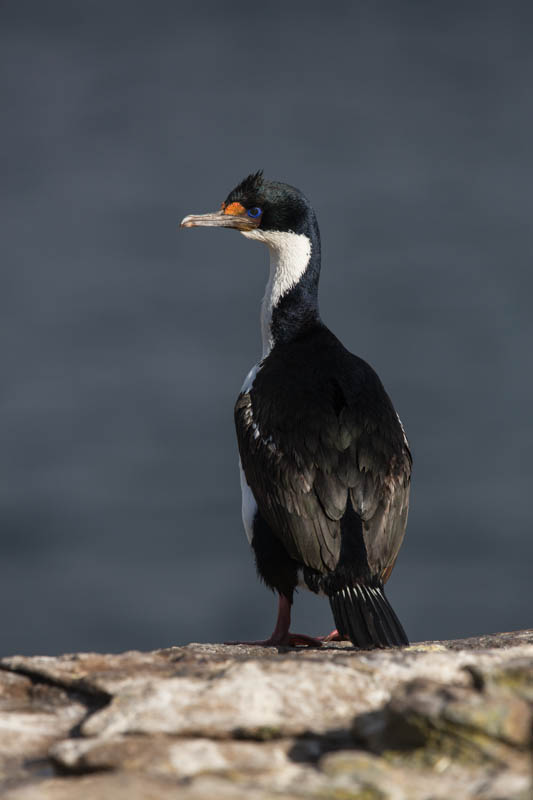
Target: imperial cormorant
[(324, 459)]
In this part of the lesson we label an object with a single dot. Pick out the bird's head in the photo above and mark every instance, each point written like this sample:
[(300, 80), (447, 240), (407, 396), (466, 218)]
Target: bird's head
[(282, 218), (261, 209)]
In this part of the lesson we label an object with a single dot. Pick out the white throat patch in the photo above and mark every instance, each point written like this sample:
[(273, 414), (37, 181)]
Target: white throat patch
[(289, 257)]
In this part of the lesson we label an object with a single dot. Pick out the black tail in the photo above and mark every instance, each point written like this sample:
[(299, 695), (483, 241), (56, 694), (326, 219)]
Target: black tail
[(365, 615)]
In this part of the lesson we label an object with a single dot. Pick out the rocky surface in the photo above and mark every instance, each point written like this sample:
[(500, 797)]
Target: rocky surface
[(435, 720)]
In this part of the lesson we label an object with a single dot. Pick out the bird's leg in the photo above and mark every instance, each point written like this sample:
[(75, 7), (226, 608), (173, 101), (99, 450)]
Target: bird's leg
[(281, 636)]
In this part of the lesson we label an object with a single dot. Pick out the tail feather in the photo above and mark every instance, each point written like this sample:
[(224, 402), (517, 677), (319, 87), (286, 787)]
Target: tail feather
[(382, 632), (364, 614)]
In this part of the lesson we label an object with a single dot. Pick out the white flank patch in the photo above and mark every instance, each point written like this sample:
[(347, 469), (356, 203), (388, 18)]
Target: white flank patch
[(289, 257), (249, 506)]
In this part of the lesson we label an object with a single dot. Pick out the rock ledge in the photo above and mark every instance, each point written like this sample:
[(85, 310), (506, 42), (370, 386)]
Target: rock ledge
[(434, 720)]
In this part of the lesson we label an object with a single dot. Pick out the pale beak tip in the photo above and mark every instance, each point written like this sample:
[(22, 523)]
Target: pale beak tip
[(186, 222)]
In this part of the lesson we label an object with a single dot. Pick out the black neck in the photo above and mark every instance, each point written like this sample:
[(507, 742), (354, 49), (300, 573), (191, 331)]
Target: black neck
[(297, 310)]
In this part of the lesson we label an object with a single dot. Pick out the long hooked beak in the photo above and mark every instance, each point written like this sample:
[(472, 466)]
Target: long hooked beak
[(219, 220)]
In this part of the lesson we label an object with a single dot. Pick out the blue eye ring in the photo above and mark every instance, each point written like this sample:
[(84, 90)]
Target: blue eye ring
[(254, 212)]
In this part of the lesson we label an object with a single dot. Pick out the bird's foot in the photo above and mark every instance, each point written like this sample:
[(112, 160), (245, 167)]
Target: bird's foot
[(334, 636), (286, 640)]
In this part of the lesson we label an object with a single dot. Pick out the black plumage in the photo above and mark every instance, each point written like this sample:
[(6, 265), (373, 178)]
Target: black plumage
[(322, 449), (330, 472)]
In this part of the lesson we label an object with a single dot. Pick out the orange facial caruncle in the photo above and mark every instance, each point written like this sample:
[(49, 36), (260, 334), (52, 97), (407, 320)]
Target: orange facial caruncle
[(235, 209)]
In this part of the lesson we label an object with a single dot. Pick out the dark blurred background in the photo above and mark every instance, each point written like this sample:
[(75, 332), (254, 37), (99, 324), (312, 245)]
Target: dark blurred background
[(125, 340)]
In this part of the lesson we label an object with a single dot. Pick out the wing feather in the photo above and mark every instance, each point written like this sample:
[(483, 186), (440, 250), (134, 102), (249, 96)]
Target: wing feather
[(309, 447)]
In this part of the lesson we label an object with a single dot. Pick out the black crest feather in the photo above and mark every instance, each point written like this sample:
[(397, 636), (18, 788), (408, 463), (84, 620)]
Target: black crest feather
[(250, 185)]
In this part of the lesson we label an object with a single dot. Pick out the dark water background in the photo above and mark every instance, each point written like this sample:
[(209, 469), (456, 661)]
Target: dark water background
[(125, 340)]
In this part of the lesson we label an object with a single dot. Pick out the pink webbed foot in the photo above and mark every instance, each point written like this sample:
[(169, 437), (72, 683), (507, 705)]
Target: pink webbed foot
[(334, 636), (282, 637), (287, 640)]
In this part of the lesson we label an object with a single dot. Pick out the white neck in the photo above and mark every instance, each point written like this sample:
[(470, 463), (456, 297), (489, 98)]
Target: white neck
[(289, 257)]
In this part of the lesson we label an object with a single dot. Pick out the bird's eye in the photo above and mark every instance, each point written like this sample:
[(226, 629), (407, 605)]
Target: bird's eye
[(254, 212)]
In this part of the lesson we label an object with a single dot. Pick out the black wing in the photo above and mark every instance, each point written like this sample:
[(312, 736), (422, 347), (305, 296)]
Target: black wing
[(316, 431)]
